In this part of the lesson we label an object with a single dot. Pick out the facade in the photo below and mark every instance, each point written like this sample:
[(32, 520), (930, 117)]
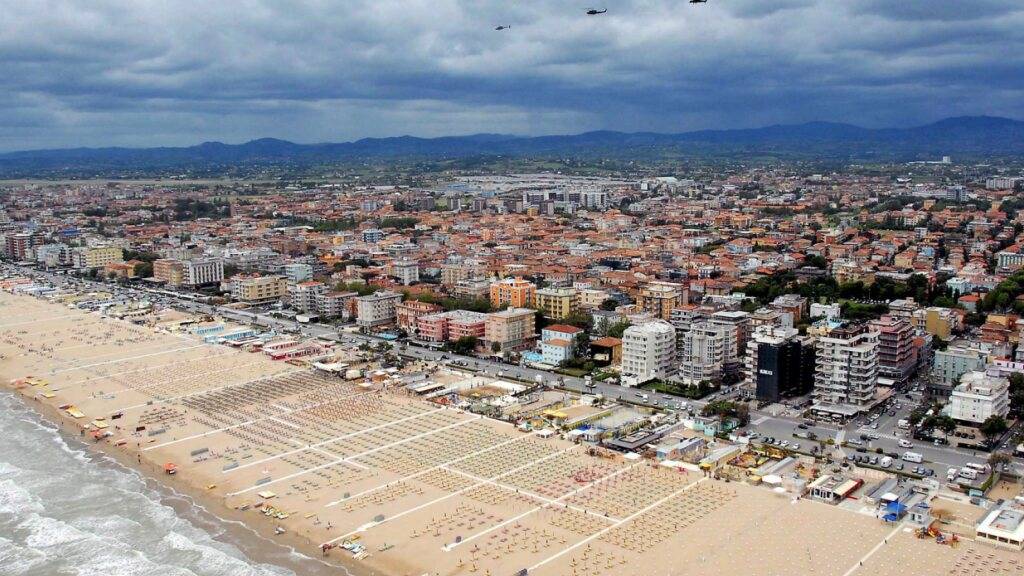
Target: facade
[(846, 370), (660, 298), (513, 293), (96, 257), (897, 355), (304, 296), (203, 271), (169, 271), (259, 289), (950, 364), (979, 396), (558, 303), (408, 313), (17, 246), (557, 343), (377, 309), (511, 329), (702, 352), (648, 352), (780, 364), (336, 304), (451, 326), (297, 272), (793, 304), (939, 322), (406, 271)]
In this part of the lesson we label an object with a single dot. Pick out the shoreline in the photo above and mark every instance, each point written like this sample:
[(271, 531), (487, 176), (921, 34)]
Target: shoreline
[(195, 504)]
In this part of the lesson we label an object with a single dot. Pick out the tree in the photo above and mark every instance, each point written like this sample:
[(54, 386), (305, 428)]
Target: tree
[(998, 458), (465, 345), (495, 347), (616, 330), (994, 427), (609, 304)]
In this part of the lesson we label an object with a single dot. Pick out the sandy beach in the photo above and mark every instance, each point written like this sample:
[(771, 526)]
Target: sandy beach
[(412, 487)]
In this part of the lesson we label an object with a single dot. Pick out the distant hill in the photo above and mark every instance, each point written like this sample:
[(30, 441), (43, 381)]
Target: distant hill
[(973, 136)]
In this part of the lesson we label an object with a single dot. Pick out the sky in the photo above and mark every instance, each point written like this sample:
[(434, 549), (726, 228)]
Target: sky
[(180, 72)]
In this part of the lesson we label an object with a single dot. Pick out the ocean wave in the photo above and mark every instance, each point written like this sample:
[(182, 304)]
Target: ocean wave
[(15, 500), (208, 560), (16, 560)]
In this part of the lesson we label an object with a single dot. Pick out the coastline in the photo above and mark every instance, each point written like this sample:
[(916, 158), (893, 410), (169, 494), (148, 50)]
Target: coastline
[(255, 539)]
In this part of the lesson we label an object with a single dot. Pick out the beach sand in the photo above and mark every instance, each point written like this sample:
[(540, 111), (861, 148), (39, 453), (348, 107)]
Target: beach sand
[(423, 489)]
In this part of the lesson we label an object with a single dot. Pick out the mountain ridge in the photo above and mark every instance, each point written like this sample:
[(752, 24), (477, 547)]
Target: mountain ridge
[(971, 135)]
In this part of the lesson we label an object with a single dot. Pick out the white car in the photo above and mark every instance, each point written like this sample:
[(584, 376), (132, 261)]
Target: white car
[(906, 443)]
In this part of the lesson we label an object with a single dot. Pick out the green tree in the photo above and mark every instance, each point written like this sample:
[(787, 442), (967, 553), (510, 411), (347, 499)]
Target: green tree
[(994, 426), (609, 304), (465, 345)]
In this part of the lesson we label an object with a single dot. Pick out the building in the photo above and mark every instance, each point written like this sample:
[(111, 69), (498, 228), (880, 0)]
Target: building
[(950, 364), (406, 271), (558, 343), (377, 309), (606, 351), (648, 352), (939, 322), (305, 295), (897, 355), (513, 293), (1003, 527), (702, 352), (660, 298), (510, 330), (336, 304), (203, 271), (373, 235), (169, 271), (297, 272), (17, 246), (258, 290), (558, 303), (846, 370), (96, 257), (408, 313), (793, 304), (979, 396), (780, 364)]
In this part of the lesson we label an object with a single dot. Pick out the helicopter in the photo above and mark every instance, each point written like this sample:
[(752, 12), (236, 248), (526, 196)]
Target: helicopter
[(595, 12), (503, 27)]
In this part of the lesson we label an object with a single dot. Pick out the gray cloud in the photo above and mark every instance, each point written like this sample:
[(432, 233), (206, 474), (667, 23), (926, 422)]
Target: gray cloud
[(148, 72)]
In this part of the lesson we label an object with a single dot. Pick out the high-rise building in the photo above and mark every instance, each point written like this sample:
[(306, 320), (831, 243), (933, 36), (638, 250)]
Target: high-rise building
[(304, 295), (780, 363), (897, 355), (203, 271), (846, 371), (259, 289), (96, 257), (950, 364), (702, 352), (297, 272), (648, 352)]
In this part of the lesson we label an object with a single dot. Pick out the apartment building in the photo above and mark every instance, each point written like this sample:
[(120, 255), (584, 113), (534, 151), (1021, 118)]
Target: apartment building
[(513, 293), (702, 352), (897, 355), (846, 371), (558, 303), (648, 352), (297, 272), (258, 290), (169, 271), (336, 304), (557, 343), (408, 313), (979, 396), (406, 271), (304, 296), (511, 329), (660, 298), (96, 257), (377, 309)]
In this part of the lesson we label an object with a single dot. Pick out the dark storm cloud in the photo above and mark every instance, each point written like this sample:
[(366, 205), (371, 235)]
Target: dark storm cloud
[(145, 72)]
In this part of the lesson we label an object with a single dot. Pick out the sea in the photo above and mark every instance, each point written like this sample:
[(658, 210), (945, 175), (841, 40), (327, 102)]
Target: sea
[(65, 510)]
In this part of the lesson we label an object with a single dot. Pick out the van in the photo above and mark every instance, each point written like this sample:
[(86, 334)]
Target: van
[(980, 468), (903, 424), (968, 474), (913, 457), (952, 474), (886, 462)]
